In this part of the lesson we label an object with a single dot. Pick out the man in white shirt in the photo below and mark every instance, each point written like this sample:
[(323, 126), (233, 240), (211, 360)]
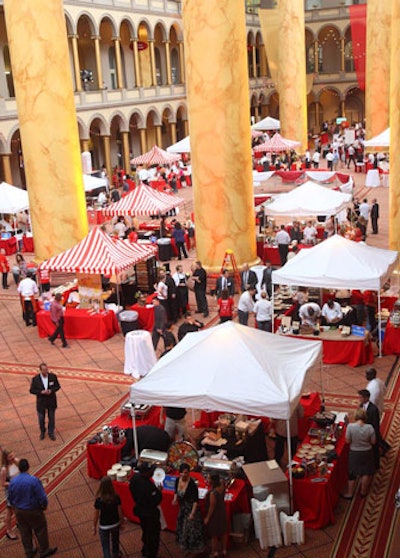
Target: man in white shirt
[(310, 234), (309, 313), (282, 237), (376, 388), (246, 305), (27, 290), (263, 312), (315, 159), (364, 209), (332, 312), (144, 175)]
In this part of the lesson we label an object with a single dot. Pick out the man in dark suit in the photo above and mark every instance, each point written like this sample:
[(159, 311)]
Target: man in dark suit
[(267, 279), (160, 322), (248, 277), (45, 385), (374, 216), (372, 413), (200, 287), (225, 281)]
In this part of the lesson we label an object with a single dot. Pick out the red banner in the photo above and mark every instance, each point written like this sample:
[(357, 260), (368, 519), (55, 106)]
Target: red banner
[(358, 26)]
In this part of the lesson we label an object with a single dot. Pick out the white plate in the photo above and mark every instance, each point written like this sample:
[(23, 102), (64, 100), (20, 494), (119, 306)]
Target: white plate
[(158, 475)]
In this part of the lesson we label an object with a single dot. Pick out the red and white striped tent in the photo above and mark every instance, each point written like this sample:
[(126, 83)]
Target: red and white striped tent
[(143, 200), (276, 144), (156, 156), (98, 253)]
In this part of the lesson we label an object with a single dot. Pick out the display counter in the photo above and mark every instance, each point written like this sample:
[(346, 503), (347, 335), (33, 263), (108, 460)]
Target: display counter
[(352, 350), (236, 501), (315, 497), (80, 324), (101, 457), (271, 253)]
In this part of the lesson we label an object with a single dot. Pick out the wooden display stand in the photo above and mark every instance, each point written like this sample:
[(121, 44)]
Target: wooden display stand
[(146, 275)]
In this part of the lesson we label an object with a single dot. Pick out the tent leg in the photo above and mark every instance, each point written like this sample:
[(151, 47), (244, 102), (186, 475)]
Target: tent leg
[(272, 302), (379, 325), (135, 441), (322, 383), (290, 466)]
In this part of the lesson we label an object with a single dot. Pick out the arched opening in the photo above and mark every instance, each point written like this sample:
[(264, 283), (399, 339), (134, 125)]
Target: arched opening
[(127, 58), (107, 54), (134, 135), (329, 101), (348, 52), (329, 42), (160, 56), (354, 106), (166, 128), (86, 51), (8, 71), (151, 130), (17, 161), (96, 147), (180, 124)]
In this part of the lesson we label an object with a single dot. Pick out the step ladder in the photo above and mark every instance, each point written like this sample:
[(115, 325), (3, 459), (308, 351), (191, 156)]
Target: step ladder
[(229, 262)]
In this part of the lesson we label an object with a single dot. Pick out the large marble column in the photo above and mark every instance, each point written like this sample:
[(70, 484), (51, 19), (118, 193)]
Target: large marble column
[(48, 123), (394, 195), (377, 67), (218, 100)]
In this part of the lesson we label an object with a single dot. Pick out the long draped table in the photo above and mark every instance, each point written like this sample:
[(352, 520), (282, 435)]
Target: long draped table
[(236, 501), (316, 497), (391, 340), (101, 457), (80, 324)]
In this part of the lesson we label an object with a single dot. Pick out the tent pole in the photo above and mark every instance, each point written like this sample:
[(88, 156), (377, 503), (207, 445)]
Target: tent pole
[(135, 441), (272, 301), (379, 324), (322, 382), (290, 465)]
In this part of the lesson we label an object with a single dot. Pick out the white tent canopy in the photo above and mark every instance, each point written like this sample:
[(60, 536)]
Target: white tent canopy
[(381, 140), (267, 123), (338, 263), (309, 199), (93, 182), (231, 368), (13, 199), (182, 146)]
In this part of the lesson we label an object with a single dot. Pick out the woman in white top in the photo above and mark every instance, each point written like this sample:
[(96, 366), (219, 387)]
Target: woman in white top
[(9, 470)]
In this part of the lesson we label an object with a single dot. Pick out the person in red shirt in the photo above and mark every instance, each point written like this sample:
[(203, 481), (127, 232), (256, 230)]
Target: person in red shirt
[(225, 303), (4, 268)]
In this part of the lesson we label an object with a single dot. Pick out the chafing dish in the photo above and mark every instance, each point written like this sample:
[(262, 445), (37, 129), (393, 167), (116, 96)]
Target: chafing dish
[(154, 457), (140, 410), (226, 469)]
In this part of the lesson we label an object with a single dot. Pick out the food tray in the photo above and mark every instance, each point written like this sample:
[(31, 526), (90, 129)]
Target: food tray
[(316, 431)]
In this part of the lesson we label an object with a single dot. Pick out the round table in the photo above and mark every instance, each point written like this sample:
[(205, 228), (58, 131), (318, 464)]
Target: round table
[(139, 353)]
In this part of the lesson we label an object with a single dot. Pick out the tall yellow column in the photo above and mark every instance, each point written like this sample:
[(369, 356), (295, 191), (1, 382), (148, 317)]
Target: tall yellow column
[(168, 61), (143, 140), (117, 46), (292, 84), (126, 151), (6, 160), (377, 67), (77, 69), (181, 61), (394, 195), (48, 123), (99, 69), (138, 78), (173, 131), (218, 100), (153, 63), (107, 154)]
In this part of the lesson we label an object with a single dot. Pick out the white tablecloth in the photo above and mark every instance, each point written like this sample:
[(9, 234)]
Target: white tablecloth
[(373, 178), (139, 353)]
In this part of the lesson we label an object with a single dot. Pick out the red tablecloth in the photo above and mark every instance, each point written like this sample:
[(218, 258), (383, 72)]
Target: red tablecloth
[(27, 244), (352, 351), (391, 340), (388, 302), (317, 500), (9, 245), (271, 253), (151, 226), (146, 316), (79, 324), (238, 503), (152, 418)]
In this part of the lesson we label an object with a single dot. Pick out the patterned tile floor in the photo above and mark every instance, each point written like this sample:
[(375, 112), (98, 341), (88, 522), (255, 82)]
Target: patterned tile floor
[(93, 387)]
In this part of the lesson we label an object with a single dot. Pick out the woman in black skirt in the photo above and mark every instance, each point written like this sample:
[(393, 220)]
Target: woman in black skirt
[(361, 437)]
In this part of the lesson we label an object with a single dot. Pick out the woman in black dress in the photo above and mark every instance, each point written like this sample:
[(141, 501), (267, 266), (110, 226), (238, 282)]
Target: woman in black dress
[(189, 529), (216, 520)]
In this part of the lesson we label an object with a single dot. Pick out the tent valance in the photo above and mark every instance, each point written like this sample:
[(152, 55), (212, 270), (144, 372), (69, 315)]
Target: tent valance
[(267, 123), (182, 146), (144, 200), (231, 368), (381, 140), (13, 199), (156, 156)]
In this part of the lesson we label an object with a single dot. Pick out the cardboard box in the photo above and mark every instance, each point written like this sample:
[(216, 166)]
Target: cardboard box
[(274, 480)]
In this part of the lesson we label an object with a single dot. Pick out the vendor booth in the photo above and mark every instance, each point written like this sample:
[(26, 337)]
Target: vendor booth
[(339, 263), (13, 200), (143, 201)]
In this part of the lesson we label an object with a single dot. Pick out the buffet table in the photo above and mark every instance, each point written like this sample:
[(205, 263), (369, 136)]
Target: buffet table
[(10, 245), (391, 340), (352, 350), (236, 501), (101, 457), (80, 324), (316, 497), (271, 253)]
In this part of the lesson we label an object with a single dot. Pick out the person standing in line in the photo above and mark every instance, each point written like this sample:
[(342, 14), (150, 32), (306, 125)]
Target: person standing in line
[(266, 280), (216, 521), (28, 289), (147, 499), (9, 470), (248, 278), (225, 306), (172, 310), (282, 238), (160, 322), (377, 390), (263, 312), (246, 305), (182, 290), (29, 500), (45, 386), (365, 211), (374, 216), (108, 509), (372, 417), (4, 268), (179, 235), (225, 281), (57, 317), (200, 287)]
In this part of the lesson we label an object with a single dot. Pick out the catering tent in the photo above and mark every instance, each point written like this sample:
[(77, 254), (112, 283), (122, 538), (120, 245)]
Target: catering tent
[(13, 199), (98, 253), (156, 156), (267, 123), (231, 368), (144, 200), (182, 146), (91, 182), (276, 144), (309, 199), (381, 140)]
